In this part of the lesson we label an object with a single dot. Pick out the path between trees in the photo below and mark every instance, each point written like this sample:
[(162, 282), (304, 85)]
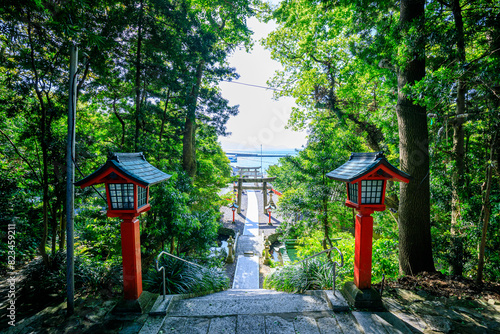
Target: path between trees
[(249, 248)]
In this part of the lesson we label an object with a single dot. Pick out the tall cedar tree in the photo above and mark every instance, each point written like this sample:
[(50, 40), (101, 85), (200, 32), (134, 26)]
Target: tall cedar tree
[(415, 246)]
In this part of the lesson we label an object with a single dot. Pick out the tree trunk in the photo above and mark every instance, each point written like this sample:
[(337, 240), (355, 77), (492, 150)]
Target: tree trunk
[(164, 118), (44, 146), (487, 210), (54, 232), (122, 122), (327, 242), (189, 140), (62, 230), (415, 245), (458, 152), (138, 115)]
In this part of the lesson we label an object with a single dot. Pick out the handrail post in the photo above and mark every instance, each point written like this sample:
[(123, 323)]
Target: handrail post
[(164, 288), (334, 263), (334, 276), (163, 268)]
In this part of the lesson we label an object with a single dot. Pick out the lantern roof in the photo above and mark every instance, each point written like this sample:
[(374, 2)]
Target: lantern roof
[(361, 164), (132, 166)]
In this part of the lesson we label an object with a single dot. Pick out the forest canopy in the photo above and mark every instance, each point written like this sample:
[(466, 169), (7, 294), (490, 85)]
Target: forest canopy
[(147, 81), (417, 80)]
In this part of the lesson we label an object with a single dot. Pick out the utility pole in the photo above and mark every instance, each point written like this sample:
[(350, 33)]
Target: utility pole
[(70, 180)]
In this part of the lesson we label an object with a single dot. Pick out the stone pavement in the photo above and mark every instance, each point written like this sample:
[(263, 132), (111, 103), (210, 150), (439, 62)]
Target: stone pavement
[(259, 311), (248, 248)]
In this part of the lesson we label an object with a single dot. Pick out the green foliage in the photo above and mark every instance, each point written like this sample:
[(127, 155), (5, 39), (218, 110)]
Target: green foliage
[(316, 274), (183, 278), (384, 259), (97, 235), (289, 278), (180, 217), (225, 231), (136, 84), (311, 244), (90, 276), (306, 203), (340, 63)]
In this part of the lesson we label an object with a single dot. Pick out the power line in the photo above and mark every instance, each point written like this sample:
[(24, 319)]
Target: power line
[(262, 87), (252, 85)]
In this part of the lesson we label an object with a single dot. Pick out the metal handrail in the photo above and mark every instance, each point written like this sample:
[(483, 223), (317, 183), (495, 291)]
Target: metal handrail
[(325, 251), (335, 263), (163, 268)]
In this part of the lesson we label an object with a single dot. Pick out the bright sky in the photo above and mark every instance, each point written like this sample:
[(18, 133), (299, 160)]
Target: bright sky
[(261, 120)]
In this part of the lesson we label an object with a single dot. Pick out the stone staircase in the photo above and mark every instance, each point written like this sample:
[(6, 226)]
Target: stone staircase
[(265, 311), (246, 309)]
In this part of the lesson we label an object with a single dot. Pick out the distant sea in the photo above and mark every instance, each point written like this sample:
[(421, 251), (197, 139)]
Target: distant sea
[(256, 161)]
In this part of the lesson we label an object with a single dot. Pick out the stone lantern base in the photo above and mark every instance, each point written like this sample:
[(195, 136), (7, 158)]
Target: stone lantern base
[(139, 306), (366, 299)]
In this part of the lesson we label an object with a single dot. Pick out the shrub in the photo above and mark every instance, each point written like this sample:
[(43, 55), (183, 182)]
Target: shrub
[(225, 231), (315, 274), (290, 278), (385, 259), (90, 275), (183, 278)]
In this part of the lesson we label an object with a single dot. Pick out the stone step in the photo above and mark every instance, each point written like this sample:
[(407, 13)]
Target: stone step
[(308, 323), (248, 243), (237, 293), (247, 273), (268, 311), (244, 302), (245, 324)]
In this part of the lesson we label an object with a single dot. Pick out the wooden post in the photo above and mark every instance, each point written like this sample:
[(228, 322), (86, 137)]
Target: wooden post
[(264, 194), (131, 257), (239, 194), (70, 180), (363, 250)]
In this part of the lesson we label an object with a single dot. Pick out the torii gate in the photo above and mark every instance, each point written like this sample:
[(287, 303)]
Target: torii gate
[(264, 188), (249, 171)]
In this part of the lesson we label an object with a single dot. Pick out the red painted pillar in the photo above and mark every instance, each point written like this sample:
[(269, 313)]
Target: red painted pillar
[(233, 216), (363, 250), (131, 254), (269, 217)]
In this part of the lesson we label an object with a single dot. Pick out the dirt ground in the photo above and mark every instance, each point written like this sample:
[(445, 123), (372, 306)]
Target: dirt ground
[(440, 285)]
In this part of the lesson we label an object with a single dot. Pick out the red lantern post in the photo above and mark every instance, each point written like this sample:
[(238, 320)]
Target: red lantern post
[(366, 175), (233, 207), (271, 206), (127, 177)]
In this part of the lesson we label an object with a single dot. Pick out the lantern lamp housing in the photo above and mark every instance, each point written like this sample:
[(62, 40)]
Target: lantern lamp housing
[(366, 176), (127, 177)]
